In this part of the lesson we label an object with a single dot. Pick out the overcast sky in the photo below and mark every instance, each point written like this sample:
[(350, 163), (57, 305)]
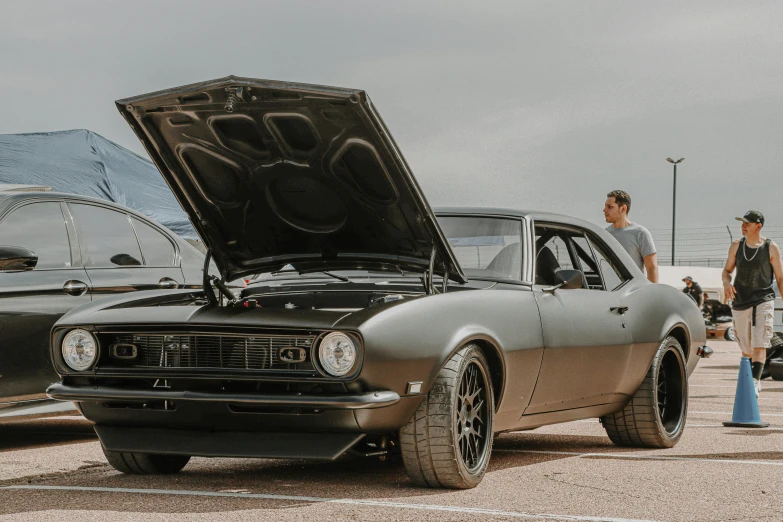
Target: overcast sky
[(545, 105)]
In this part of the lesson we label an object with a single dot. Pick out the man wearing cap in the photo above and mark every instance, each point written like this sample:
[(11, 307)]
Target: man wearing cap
[(757, 260), (635, 239), (694, 291)]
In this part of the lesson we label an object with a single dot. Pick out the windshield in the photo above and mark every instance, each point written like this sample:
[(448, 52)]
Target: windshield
[(485, 247)]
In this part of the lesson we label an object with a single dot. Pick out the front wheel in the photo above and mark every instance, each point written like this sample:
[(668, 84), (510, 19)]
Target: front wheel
[(655, 416), (448, 441), (145, 463)]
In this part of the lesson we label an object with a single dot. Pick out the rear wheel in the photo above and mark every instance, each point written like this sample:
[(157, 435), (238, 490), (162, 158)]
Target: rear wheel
[(655, 416), (448, 441), (146, 463)]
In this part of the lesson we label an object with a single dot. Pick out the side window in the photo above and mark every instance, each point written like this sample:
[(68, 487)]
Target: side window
[(106, 236), (612, 276), (41, 228), (588, 262), (551, 255), (157, 249), (558, 247)]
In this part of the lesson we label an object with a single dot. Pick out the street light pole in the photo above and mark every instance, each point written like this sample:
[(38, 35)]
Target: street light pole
[(674, 201)]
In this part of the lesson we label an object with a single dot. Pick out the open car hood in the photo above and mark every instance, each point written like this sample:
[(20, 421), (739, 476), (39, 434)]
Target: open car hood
[(276, 173)]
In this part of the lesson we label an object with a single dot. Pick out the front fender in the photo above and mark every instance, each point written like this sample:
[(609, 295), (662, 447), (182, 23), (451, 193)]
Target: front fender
[(412, 341)]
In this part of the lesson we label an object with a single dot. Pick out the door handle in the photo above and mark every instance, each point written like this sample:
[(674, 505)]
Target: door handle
[(619, 309), (167, 282), (75, 287)]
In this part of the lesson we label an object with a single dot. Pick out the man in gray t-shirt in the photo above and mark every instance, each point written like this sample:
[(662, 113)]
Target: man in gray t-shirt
[(635, 239)]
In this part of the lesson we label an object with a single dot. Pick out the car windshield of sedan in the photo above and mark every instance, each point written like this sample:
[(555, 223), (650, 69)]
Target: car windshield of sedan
[(485, 247)]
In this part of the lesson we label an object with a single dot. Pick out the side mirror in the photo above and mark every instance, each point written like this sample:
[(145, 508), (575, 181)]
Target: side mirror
[(17, 259), (567, 280), (570, 279)]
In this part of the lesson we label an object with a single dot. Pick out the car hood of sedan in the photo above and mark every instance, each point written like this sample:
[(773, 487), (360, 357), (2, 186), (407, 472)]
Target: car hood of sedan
[(276, 173)]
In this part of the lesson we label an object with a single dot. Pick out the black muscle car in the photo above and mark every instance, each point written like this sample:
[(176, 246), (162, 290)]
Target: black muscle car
[(376, 325)]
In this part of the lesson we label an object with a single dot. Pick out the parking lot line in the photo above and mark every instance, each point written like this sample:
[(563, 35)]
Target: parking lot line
[(722, 426), (357, 502), (732, 396), (642, 457), (730, 413), (713, 386)]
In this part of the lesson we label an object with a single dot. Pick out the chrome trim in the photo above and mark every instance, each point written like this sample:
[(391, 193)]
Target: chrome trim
[(528, 249)]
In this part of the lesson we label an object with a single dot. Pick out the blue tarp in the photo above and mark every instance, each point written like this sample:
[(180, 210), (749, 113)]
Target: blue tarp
[(82, 162)]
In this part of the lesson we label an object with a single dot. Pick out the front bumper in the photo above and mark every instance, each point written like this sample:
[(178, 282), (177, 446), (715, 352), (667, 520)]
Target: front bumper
[(236, 424), (378, 399)]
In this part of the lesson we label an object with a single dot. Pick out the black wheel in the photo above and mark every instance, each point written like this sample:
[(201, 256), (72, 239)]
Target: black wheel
[(146, 463), (729, 334), (655, 416), (448, 441), (775, 351)]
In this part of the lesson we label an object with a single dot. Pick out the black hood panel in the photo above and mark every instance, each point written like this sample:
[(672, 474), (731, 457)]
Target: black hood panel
[(275, 173)]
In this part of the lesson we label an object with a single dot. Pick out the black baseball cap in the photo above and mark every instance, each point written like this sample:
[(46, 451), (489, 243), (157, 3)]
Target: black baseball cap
[(752, 216), (688, 278)]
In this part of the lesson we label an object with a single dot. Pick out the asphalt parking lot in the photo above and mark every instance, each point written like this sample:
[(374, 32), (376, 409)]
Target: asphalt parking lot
[(53, 469)]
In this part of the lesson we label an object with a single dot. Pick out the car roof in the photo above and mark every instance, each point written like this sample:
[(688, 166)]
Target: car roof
[(535, 215)]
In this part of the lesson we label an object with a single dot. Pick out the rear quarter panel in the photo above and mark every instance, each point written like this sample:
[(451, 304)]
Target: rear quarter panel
[(654, 310)]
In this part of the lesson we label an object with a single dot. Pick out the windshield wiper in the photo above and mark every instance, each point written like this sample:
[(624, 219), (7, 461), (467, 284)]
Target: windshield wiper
[(289, 271)]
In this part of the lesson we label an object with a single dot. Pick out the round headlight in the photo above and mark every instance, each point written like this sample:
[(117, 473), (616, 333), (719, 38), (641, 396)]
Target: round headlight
[(337, 354), (79, 349)]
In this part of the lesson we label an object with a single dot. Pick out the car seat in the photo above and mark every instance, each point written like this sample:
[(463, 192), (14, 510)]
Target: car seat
[(546, 267), (508, 261)]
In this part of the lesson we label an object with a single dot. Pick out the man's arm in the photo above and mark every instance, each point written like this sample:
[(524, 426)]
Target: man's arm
[(649, 255), (731, 263), (651, 265), (777, 264)]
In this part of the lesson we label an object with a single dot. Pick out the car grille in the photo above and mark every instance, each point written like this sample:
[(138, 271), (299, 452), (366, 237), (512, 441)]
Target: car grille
[(216, 351)]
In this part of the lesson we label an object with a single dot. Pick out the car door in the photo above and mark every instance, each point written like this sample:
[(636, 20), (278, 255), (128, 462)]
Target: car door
[(122, 253), (587, 344), (31, 302)]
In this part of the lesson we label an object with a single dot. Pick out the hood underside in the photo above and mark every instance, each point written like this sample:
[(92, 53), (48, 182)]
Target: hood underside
[(275, 173)]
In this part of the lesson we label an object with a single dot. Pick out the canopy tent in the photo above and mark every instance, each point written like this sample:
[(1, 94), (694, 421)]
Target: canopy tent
[(82, 162)]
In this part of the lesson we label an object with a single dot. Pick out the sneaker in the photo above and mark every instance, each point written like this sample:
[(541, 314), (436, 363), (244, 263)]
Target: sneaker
[(757, 387)]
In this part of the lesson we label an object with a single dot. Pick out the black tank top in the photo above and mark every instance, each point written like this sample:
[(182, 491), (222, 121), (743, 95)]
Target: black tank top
[(754, 276)]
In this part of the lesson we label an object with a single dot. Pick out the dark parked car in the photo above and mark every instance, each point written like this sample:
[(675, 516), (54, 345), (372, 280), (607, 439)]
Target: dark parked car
[(376, 327), (58, 251)]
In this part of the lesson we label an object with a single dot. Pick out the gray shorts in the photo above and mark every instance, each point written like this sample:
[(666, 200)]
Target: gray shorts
[(751, 336)]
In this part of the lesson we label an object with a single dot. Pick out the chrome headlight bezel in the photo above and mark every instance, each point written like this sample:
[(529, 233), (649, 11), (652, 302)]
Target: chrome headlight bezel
[(92, 353), (322, 352)]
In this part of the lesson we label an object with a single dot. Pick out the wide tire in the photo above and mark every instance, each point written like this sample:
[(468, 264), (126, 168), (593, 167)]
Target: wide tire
[(146, 463), (655, 416), (448, 441)]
